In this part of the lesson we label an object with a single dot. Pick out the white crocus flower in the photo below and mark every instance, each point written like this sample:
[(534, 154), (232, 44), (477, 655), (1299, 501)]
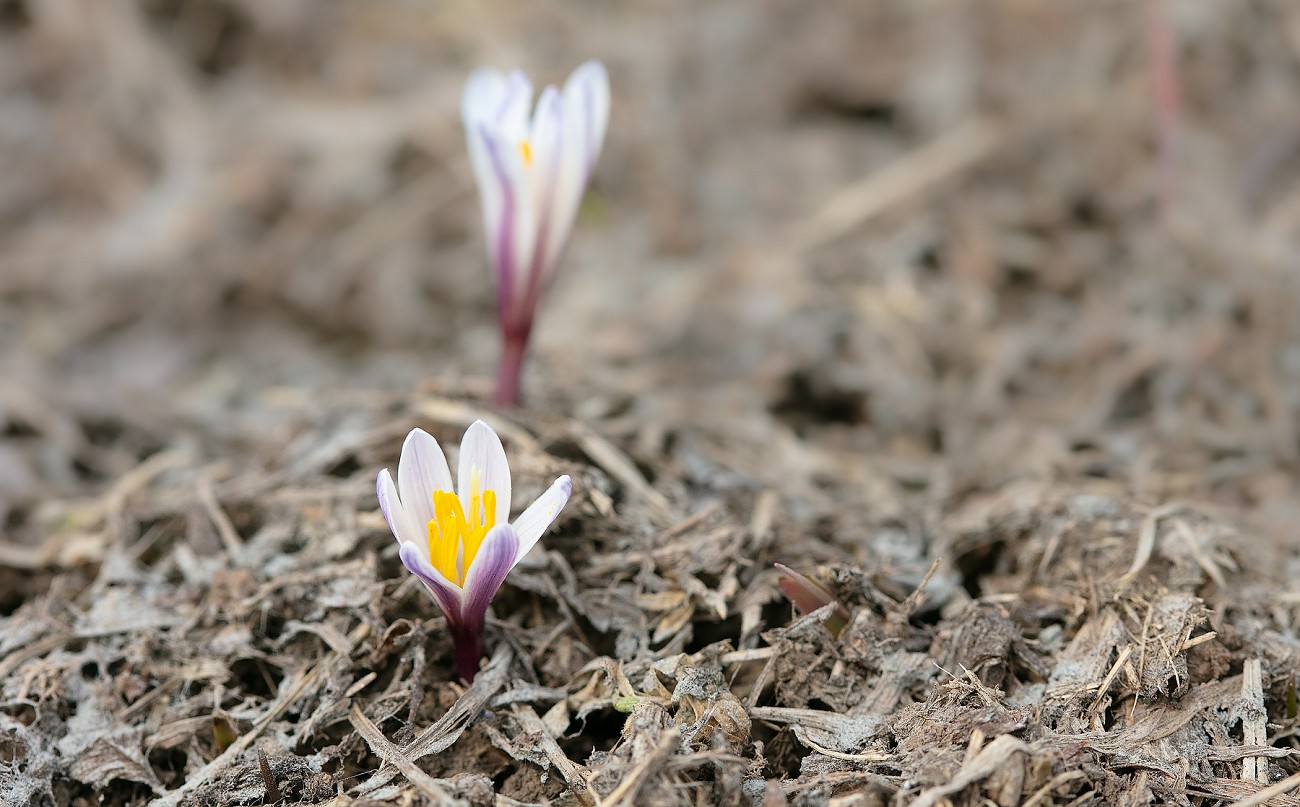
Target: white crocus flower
[(459, 541), (531, 174)]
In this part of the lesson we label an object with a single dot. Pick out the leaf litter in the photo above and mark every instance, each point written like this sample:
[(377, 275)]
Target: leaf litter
[(1033, 434)]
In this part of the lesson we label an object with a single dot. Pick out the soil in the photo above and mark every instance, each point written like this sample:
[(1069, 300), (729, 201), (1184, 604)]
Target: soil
[(980, 314)]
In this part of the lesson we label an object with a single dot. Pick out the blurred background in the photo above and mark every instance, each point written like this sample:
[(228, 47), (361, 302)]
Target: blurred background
[(867, 249), (1004, 286)]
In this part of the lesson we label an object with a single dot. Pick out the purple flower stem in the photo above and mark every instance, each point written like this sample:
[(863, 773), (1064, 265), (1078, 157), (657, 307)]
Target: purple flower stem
[(510, 371), (469, 650)]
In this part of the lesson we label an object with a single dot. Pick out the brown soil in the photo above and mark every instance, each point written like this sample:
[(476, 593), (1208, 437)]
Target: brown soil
[(947, 305)]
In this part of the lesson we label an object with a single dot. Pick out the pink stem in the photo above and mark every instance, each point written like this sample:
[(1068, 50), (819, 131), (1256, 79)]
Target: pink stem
[(511, 370)]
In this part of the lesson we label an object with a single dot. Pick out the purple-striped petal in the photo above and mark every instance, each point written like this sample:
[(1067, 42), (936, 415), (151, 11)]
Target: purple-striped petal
[(511, 114), (500, 202), (511, 244), (529, 203), (421, 470), (495, 559), (483, 463), (445, 593), (500, 101), (496, 108), (540, 514)]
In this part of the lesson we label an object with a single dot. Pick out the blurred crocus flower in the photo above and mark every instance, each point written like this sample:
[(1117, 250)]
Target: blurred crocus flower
[(809, 595), (532, 172), (459, 541)]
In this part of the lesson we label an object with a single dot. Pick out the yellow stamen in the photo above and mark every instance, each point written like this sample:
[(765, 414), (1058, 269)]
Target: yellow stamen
[(526, 149), (454, 537)]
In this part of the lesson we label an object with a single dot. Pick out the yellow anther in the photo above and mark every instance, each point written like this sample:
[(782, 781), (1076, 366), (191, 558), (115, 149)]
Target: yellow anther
[(454, 536), (526, 149)]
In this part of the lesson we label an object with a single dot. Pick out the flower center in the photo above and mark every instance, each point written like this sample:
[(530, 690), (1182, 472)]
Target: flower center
[(526, 149), (454, 535)]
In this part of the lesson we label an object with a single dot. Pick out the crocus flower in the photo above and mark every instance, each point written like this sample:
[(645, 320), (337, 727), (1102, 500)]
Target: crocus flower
[(531, 176), (459, 541)]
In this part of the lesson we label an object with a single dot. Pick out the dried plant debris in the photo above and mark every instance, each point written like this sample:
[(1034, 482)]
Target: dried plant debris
[(173, 677), (910, 299)]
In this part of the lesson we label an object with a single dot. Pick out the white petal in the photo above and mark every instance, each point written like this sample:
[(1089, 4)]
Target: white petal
[(525, 224), (483, 459), (587, 89), (547, 151), (519, 102), (497, 196), (421, 470), (399, 521), (586, 117), (540, 514), (482, 95), (491, 193), (544, 138)]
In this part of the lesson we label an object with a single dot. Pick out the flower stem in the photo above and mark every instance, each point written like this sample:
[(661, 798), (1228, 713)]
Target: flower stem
[(469, 649), (511, 369)]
